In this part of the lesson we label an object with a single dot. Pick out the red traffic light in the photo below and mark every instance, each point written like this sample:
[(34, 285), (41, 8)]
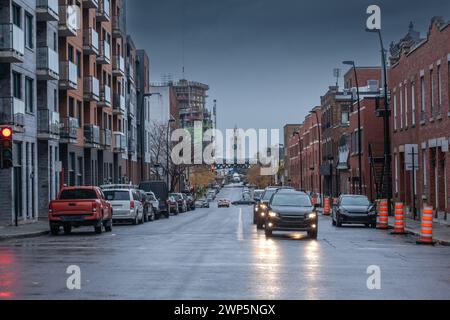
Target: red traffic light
[(6, 133)]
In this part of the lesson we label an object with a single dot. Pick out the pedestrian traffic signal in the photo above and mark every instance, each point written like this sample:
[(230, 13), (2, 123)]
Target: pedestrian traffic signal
[(6, 145)]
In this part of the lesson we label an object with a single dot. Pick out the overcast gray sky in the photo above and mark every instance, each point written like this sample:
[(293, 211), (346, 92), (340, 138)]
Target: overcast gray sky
[(267, 61)]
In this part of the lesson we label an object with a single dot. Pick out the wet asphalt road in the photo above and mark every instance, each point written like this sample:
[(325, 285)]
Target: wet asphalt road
[(218, 254)]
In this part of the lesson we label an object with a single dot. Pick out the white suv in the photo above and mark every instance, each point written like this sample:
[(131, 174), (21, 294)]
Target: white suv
[(126, 205)]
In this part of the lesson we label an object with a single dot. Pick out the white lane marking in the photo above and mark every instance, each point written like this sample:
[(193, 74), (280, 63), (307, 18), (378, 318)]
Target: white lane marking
[(240, 228)]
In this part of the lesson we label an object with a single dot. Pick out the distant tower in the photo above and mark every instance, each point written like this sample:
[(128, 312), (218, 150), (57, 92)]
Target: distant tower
[(337, 74), (215, 113)]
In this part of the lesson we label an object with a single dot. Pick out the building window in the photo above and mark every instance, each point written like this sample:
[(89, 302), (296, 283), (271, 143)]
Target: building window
[(422, 95), (395, 111), (439, 88), (16, 15), (406, 106), (29, 103), (401, 106), (79, 113), (396, 172), (424, 168), (71, 107), (29, 31), (78, 63), (17, 85), (345, 115), (432, 93), (413, 104)]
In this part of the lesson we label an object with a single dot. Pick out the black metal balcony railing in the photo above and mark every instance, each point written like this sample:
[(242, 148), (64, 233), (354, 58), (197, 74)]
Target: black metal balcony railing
[(12, 111), (118, 26), (103, 12), (48, 122), (91, 134), (69, 128)]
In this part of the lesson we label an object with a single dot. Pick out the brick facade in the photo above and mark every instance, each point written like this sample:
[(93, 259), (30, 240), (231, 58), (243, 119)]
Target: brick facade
[(419, 82)]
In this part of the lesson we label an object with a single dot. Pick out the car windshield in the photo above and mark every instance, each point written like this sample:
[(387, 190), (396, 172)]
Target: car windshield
[(355, 201), (268, 194), (258, 194), (78, 194), (291, 200), (117, 195)]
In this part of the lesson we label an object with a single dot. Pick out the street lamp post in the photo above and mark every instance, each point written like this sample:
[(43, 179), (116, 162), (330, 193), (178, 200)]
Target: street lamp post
[(387, 180), (352, 63), (297, 133), (320, 149)]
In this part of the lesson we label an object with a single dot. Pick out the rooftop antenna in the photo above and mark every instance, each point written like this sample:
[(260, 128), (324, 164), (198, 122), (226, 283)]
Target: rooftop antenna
[(183, 11), (337, 74)]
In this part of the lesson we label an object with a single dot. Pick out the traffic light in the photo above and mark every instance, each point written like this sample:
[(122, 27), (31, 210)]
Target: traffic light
[(6, 135)]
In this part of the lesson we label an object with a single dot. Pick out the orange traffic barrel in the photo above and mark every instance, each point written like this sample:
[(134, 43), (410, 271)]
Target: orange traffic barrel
[(383, 215), (399, 223), (327, 207), (426, 233)]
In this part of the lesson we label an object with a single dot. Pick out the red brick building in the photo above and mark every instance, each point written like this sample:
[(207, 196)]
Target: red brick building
[(293, 156), (311, 153), (419, 82)]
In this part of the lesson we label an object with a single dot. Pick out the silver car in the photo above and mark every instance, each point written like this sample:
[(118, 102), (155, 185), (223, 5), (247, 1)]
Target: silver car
[(126, 205)]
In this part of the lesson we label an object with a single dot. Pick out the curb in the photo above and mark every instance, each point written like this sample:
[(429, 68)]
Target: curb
[(417, 234), (24, 235)]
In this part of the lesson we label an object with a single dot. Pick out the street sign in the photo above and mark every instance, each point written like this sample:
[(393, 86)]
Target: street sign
[(411, 157)]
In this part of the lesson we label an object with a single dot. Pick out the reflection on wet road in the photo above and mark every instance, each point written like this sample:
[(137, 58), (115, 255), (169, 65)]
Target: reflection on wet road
[(218, 254)]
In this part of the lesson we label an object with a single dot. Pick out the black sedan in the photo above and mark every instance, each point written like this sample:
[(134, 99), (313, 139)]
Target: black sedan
[(292, 211), (354, 209)]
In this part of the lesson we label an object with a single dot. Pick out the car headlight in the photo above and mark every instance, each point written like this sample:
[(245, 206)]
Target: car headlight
[(256, 209), (262, 206), (273, 214), (312, 215)]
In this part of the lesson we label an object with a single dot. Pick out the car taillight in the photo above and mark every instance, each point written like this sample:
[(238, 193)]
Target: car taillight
[(131, 204)]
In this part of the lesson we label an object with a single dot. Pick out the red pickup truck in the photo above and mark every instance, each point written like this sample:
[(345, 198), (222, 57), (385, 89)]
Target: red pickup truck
[(80, 206)]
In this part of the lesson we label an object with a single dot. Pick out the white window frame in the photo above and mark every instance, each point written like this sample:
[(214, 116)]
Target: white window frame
[(413, 103)]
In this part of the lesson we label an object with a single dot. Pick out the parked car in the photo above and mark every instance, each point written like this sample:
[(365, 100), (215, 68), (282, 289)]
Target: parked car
[(354, 209), (202, 203), (173, 205), (161, 191), (223, 203), (155, 204), (190, 201), (126, 204), (181, 201), (149, 214), (291, 211), (80, 206)]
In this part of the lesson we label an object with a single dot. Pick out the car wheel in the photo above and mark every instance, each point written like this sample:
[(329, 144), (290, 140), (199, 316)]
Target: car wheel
[(136, 220), (313, 234), (259, 225), (108, 226), (98, 228), (338, 222), (67, 230), (268, 233), (333, 222), (152, 216), (54, 230), (373, 225)]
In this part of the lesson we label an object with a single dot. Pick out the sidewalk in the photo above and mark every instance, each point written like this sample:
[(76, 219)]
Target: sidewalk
[(24, 231), (441, 232)]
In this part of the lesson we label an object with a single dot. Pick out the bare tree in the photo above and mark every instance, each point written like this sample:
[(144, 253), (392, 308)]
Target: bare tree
[(160, 150)]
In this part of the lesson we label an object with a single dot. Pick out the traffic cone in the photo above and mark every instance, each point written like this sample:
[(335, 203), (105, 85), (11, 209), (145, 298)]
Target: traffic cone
[(399, 224), (426, 233), (327, 207), (383, 215)]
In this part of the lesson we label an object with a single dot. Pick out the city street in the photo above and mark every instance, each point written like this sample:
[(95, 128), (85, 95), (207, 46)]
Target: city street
[(218, 254)]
